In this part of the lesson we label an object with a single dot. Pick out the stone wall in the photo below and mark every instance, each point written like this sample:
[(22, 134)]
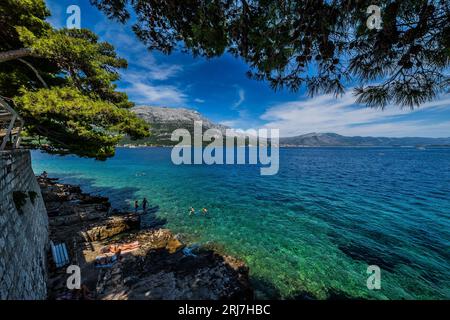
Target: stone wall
[(23, 230)]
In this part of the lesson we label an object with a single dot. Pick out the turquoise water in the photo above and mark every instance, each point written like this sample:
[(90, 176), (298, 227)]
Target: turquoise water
[(313, 228)]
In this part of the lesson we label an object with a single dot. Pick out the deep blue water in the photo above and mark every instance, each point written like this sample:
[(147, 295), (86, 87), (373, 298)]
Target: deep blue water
[(311, 229)]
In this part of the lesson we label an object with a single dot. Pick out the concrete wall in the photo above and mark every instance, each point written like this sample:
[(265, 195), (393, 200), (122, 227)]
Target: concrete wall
[(23, 235)]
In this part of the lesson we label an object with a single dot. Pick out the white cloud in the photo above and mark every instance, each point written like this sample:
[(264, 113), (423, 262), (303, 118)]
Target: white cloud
[(116, 33), (164, 72), (143, 93), (154, 70), (230, 123), (244, 121), (199, 100), (131, 48), (144, 71), (241, 94), (327, 114)]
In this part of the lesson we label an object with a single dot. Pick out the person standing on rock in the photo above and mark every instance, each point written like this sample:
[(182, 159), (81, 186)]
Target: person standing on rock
[(144, 204), (136, 206)]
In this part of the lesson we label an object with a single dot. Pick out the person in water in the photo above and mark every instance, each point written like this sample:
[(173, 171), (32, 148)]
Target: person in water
[(144, 204), (136, 206), (191, 211), (204, 211)]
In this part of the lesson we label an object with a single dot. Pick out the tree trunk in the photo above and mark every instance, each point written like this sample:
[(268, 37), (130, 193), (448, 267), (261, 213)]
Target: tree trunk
[(35, 72), (14, 54)]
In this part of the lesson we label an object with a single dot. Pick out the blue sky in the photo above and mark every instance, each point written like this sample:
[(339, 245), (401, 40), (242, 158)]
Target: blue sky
[(219, 89)]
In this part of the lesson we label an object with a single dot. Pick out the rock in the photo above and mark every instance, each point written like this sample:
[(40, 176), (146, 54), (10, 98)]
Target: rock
[(173, 245), (88, 199), (75, 218), (112, 226), (235, 264), (157, 270)]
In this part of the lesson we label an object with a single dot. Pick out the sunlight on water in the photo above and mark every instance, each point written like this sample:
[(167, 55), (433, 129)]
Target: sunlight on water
[(311, 230)]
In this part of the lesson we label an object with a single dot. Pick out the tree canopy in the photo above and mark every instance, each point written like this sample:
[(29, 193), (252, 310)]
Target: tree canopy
[(319, 44), (62, 83)]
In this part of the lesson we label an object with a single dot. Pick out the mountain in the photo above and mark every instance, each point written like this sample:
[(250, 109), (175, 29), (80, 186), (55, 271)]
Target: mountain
[(163, 121), (174, 116), (333, 139)]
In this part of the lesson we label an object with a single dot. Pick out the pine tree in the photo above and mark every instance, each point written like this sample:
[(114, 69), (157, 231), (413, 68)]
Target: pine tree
[(62, 83), (319, 44)]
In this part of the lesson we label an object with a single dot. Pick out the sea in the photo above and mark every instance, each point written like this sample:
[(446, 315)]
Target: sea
[(316, 230)]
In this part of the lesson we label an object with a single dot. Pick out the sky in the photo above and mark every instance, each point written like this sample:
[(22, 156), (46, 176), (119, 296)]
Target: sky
[(219, 89)]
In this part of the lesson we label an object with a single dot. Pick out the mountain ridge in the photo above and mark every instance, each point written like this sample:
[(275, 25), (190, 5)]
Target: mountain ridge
[(333, 139), (164, 120)]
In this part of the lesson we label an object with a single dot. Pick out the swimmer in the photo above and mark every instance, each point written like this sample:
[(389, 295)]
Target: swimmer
[(144, 204), (204, 211), (191, 211)]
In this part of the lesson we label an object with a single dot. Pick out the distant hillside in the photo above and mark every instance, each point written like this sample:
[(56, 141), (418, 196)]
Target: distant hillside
[(333, 139), (164, 121)]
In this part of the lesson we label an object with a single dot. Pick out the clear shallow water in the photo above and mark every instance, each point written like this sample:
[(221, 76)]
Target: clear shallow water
[(313, 228)]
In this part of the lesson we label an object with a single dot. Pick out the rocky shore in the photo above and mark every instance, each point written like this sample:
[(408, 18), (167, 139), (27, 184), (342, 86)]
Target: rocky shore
[(161, 267)]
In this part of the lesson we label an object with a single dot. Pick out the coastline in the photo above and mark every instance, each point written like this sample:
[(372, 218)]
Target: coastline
[(287, 146), (161, 267), (246, 222)]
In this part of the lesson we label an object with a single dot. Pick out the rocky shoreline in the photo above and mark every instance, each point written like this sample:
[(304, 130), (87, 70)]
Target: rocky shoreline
[(162, 267)]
